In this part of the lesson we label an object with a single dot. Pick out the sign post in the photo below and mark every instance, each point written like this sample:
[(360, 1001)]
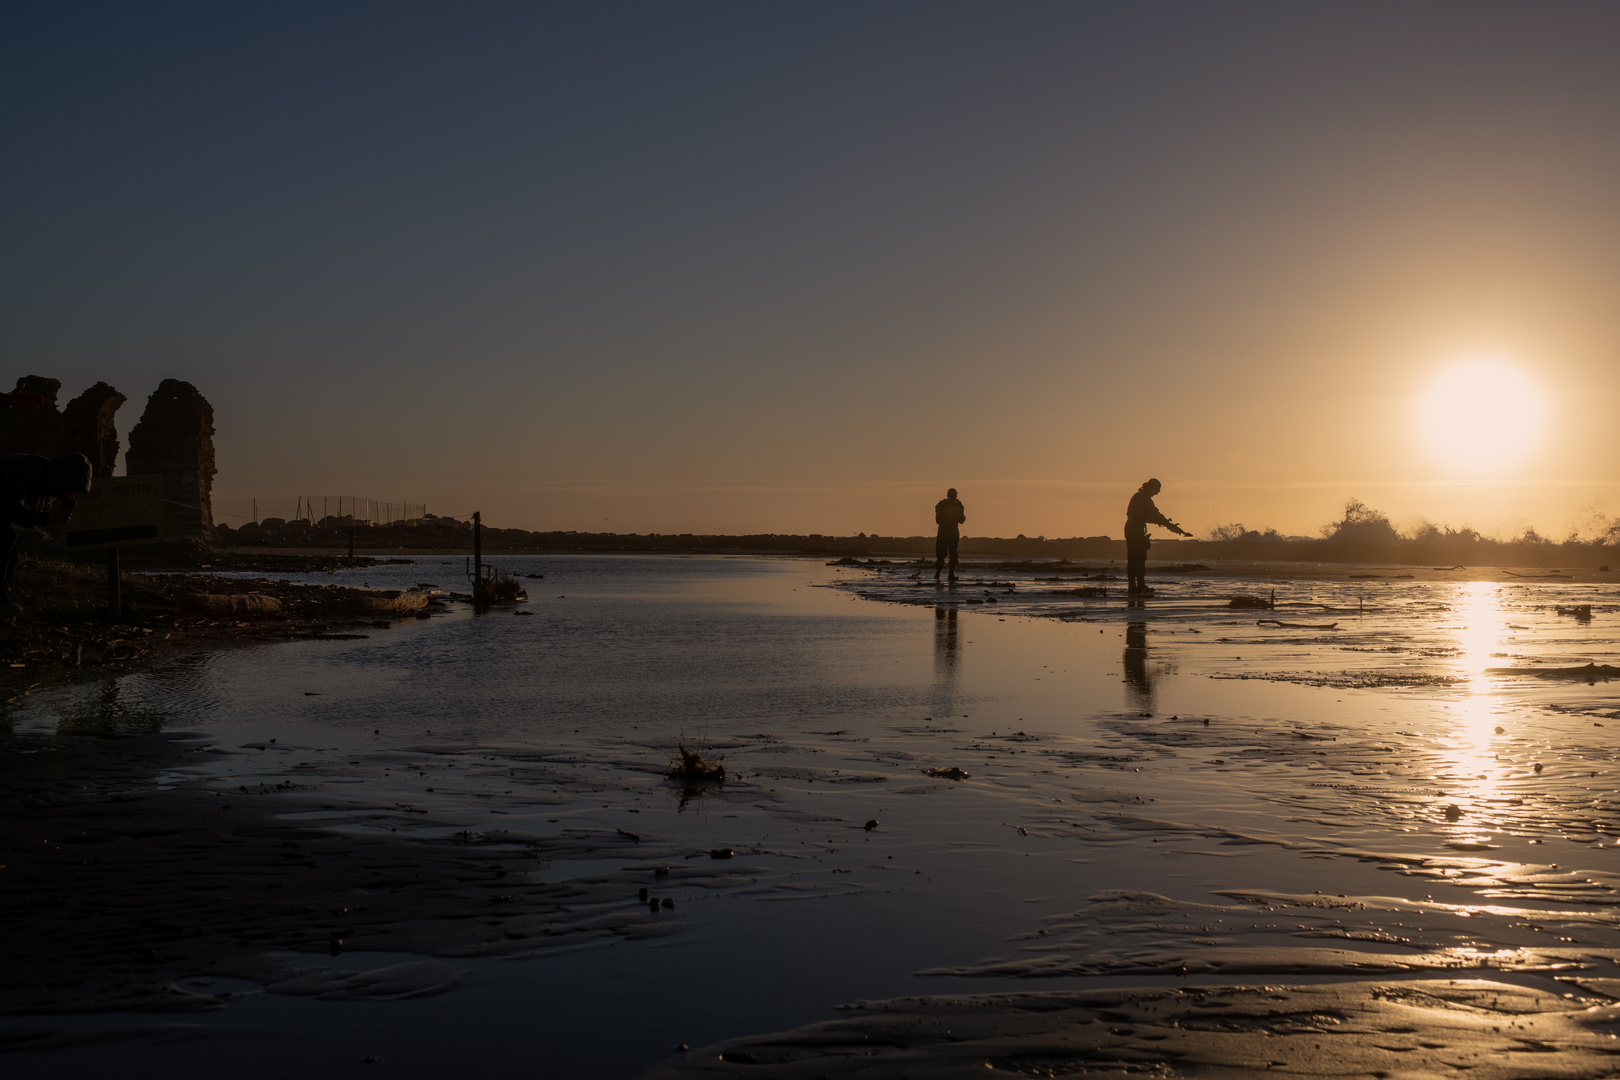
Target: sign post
[(120, 511)]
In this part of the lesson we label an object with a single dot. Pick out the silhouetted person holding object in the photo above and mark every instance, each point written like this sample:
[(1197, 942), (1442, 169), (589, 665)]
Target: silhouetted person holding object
[(1138, 517), (28, 482), (949, 516)]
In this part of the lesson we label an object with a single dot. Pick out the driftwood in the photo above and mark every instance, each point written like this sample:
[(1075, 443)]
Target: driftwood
[(1297, 625), (1560, 577), (225, 604), (692, 766), (390, 602)]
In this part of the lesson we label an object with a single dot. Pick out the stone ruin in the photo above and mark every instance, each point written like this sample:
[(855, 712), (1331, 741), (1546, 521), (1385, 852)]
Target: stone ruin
[(88, 427), (174, 439)]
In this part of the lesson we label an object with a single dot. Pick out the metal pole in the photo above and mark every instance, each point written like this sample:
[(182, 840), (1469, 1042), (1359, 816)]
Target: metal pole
[(478, 557), (114, 600)]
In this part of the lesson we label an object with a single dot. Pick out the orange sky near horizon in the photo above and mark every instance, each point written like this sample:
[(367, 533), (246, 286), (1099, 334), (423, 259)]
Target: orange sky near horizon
[(725, 268)]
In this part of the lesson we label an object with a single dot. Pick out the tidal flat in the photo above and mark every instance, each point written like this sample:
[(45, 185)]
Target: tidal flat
[(1019, 823)]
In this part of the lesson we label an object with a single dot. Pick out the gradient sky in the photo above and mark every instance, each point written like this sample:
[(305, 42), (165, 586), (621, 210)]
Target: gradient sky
[(793, 267)]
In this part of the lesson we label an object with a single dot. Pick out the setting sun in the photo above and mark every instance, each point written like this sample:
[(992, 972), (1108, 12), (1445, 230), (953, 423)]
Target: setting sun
[(1481, 415)]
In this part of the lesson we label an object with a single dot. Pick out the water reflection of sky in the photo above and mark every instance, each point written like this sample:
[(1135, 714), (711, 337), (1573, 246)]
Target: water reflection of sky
[(561, 723)]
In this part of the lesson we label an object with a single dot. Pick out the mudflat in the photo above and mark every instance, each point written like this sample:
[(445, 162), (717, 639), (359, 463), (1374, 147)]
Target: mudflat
[(1049, 834)]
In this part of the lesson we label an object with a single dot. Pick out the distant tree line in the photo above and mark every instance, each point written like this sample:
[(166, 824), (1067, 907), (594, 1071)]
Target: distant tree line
[(1363, 525), (1362, 535)]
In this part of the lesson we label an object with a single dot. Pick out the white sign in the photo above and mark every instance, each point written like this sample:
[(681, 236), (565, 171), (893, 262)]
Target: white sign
[(118, 512)]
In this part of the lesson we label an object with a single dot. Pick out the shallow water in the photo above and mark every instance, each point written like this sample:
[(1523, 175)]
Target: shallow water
[(1245, 775)]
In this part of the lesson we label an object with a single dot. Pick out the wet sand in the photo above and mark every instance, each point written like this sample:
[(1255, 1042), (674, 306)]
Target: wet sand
[(1148, 838), (63, 635), (1430, 1027), (119, 885)]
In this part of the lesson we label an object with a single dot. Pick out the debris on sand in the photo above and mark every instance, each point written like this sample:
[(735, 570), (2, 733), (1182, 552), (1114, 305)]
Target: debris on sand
[(691, 765), (1249, 602), (1581, 612), (499, 588), (1297, 625), (242, 604), (394, 601), (948, 772), (1589, 672)]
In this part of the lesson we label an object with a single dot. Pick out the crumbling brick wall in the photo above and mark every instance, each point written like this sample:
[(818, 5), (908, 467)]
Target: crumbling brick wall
[(89, 427), (175, 439)]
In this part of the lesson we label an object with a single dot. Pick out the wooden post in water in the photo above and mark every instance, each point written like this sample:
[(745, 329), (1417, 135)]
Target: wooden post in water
[(351, 541), (478, 558), (115, 600)]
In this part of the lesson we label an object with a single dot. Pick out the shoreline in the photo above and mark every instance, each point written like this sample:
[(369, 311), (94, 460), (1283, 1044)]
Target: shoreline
[(64, 636)]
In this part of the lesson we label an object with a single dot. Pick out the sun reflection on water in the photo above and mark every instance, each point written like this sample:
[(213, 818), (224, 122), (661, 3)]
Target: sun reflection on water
[(1476, 711)]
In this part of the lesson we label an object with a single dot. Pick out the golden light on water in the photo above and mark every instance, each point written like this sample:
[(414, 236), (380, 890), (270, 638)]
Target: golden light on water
[(1481, 626), (1481, 415)]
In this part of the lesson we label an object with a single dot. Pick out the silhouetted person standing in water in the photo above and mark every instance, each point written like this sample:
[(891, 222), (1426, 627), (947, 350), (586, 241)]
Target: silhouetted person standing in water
[(1138, 517), (948, 515)]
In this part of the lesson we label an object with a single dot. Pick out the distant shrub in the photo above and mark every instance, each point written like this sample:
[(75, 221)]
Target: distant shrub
[(1236, 531), (1361, 525), (1427, 532)]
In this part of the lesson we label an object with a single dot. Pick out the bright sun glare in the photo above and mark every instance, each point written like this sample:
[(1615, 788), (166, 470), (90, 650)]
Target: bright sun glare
[(1481, 415)]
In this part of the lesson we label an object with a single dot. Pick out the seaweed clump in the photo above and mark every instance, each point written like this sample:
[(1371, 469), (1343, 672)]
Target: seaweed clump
[(691, 766)]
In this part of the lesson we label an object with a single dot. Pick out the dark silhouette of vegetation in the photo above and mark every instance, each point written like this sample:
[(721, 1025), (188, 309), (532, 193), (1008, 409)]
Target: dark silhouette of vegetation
[(1361, 524), (1361, 534), (1235, 533)]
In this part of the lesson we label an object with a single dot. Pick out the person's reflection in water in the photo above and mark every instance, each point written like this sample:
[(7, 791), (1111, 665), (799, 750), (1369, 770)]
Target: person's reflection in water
[(1140, 695), (946, 651)]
